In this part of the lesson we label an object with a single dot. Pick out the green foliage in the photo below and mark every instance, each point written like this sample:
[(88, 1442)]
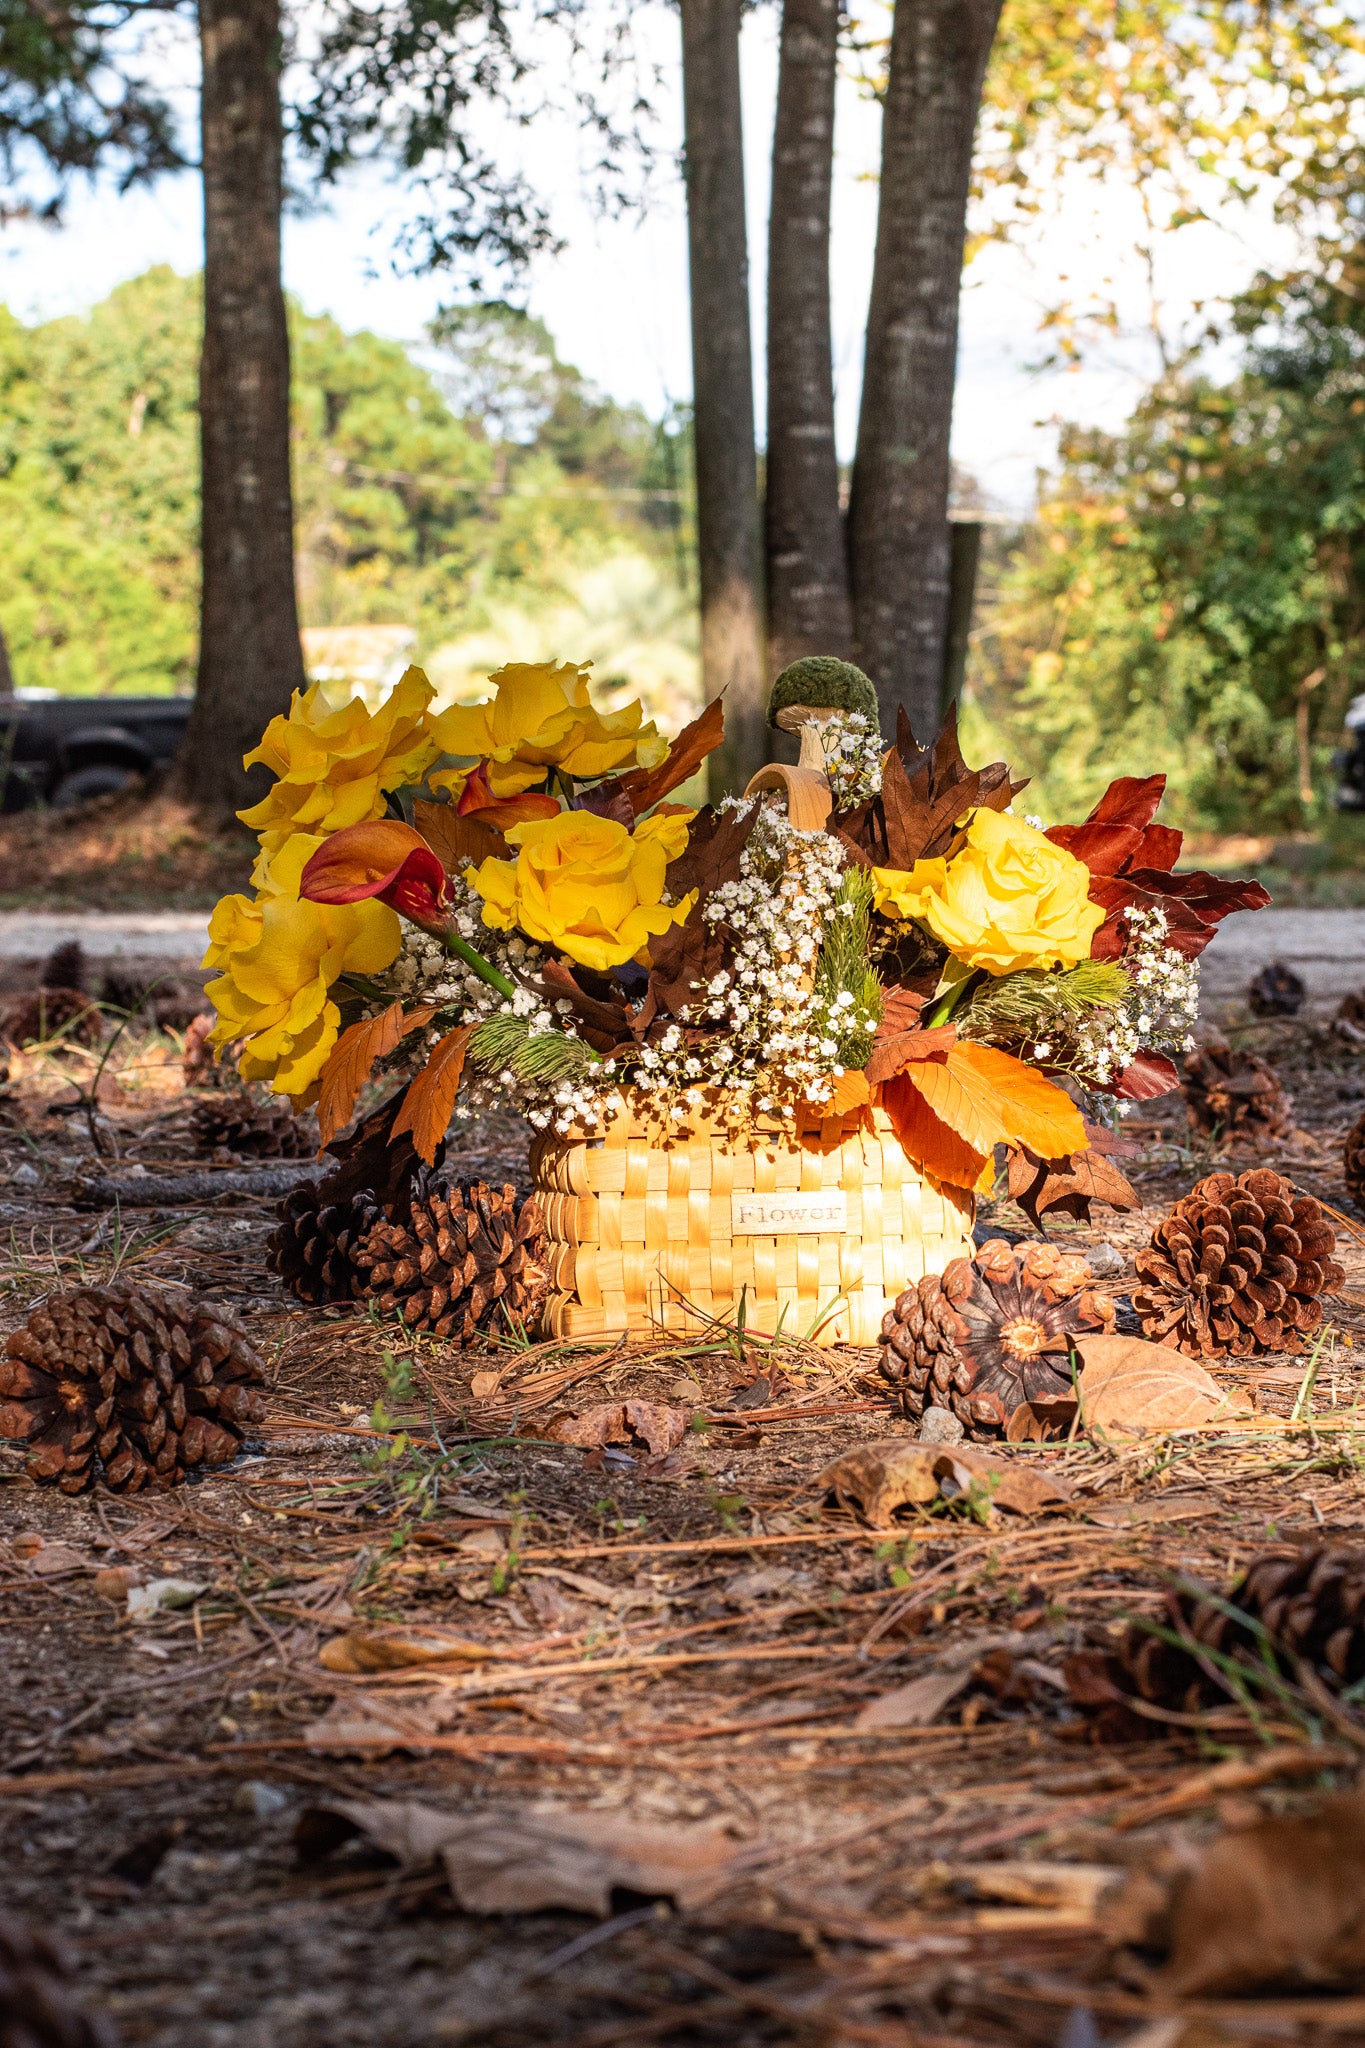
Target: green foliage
[(545, 1056), (1187, 578), (1029, 1004), (842, 968), (405, 509)]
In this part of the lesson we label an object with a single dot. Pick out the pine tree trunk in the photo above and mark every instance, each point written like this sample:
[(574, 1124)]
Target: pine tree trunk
[(728, 537), (249, 654), (898, 515), (6, 672), (807, 567)]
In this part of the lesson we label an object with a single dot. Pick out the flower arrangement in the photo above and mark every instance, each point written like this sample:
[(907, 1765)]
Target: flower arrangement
[(502, 902)]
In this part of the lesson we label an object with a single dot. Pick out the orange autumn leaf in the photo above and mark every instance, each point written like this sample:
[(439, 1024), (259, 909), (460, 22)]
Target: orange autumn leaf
[(431, 1096), (960, 1099), (1033, 1110), (851, 1091), (351, 1062), (643, 787), (926, 1139)]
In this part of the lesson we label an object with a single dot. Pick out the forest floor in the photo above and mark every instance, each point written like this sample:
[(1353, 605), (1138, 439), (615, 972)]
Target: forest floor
[(691, 1666), (133, 852)]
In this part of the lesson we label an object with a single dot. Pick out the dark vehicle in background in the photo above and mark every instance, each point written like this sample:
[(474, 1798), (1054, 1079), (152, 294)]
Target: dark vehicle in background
[(61, 751)]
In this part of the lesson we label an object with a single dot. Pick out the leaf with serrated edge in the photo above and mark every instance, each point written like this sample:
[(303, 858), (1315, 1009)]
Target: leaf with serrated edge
[(431, 1096), (925, 1139), (458, 843), (893, 1055), (351, 1062), (1033, 1110), (960, 1100)]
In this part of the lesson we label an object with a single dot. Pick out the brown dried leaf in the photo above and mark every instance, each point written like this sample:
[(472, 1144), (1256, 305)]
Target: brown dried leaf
[(1068, 1185), (431, 1096), (531, 1859), (643, 787), (458, 842), (901, 1009), (878, 1478), (690, 954), (351, 1062), (893, 1054), (648, 1425), (1132, 1388), (1270, 1907), (917, 1703), (395, 1648)]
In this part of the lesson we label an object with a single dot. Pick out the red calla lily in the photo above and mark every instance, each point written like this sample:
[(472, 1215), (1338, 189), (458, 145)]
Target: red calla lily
[(477, 800), (384, 858)]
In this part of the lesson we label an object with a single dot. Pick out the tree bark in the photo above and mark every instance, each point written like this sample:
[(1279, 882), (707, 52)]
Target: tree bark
[(898, 514), (807, 567), (728, 533), (249, 654), (6, 672)]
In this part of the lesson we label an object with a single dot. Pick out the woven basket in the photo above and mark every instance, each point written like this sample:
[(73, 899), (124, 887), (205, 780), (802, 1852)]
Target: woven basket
[(818, 1229)]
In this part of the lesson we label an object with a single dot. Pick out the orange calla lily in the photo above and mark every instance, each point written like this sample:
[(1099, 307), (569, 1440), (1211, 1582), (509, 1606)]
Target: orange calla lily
[(383, 858)]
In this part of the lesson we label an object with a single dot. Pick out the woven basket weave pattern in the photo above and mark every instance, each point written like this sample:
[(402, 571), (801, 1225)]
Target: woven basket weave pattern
[(641, 1229)]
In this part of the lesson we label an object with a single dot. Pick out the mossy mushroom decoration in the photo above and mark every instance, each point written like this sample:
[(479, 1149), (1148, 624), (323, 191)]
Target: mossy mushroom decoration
[(810, 692)]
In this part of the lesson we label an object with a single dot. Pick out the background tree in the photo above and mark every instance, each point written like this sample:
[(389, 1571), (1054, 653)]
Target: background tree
[(805, 558), (898, 509), (728, 527)]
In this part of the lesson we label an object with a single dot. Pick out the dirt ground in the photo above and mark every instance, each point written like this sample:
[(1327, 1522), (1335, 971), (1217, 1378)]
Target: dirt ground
[(120, 853), (683, 1642)]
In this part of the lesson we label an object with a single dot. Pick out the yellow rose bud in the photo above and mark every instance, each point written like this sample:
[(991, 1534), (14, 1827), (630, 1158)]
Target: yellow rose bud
[(542, 718), (585, 886), (1008, 899)]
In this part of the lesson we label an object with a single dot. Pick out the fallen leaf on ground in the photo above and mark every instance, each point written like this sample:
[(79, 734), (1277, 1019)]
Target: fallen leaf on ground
[(643, 1425), (1271, 1907), (878, 1478), (529, 1859), (58, 1557), (916, 1704), (484, 1385), (1171, 1507), (1071, 1887), (145, 1601), (375, 1727), (1132, 1388), (391, 1649)]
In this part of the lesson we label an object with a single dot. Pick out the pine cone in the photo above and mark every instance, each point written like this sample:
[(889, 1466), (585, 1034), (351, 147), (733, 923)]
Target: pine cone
[(313, 1250), (50, 1013), (248, 1125), (66, 967), (1351, 1009), (1310, 1601), (1353, 1161), (197, 1063), (141, 1381), (1276, 991), (37, 2006), (1238, 1267), (1235, 1095), (466, 1262), (991, 1332)]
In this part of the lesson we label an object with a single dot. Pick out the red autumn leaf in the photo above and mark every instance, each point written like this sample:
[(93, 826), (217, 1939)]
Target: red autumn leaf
[(1129, 800), (1151, 1074), (891, 1056), (901, 1008), (431, 1096)]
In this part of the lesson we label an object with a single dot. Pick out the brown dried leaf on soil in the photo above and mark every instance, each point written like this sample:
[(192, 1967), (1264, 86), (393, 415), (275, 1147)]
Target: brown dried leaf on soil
[(393, 1649), (878, 1478), (1132, 1388), (530, 1859), (1068, 1185), (1271, 1907), (640, 1425)]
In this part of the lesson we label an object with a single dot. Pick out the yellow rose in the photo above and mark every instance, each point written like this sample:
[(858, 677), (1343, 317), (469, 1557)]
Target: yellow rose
[(584, 885), (333, 767), (279, 958), (1009, 899), (542, 718)]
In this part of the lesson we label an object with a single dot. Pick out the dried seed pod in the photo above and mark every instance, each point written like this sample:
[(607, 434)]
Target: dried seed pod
[(991, 1332)]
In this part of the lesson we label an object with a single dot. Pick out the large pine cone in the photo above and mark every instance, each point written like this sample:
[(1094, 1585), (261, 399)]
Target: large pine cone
[(990, 1333), (1235, 1096), (47, 1013), (1309, 1601), (250, 1126), (37, 2006), (313, 1249), (466, 1262), (1237, 1267), (1353, 1161), (141, 1382)]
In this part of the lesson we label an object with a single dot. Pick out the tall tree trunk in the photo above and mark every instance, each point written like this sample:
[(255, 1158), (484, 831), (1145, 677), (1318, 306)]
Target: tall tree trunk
[(6, 672), (249, 654), (728, 539), (898, 516), (807, 565)]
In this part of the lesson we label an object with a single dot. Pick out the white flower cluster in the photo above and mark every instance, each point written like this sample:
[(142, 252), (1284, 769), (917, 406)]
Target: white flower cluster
[(1157, 1014), (768, 1041), (854, 751)]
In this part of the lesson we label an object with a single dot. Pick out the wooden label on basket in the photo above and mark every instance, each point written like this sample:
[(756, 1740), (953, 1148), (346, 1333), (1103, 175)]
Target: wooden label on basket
[(801, 1211)]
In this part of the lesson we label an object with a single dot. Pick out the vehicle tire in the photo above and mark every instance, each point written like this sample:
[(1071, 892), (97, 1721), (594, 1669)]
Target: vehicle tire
[(83, 785)]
